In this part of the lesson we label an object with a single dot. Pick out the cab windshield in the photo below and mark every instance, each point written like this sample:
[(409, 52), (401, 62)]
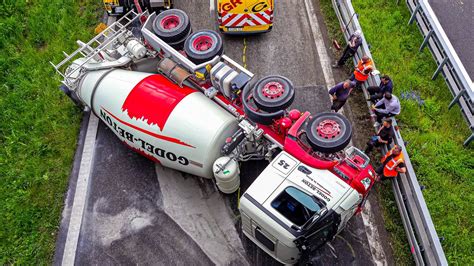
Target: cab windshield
[(296, 205)]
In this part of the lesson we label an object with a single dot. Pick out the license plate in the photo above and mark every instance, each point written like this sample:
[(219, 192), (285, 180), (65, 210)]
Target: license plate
[(235, 29)]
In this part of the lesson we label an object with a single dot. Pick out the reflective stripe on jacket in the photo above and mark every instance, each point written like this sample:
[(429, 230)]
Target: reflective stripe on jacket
[(389, 169), (363, 68)]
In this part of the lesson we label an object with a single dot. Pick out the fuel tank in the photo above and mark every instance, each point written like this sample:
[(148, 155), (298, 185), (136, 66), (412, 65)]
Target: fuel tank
[(178, 127)]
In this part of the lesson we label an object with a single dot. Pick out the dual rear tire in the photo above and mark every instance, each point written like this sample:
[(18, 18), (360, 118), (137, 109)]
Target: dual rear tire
[(266, 100), (173, 27), (203, 46), (273, 93)]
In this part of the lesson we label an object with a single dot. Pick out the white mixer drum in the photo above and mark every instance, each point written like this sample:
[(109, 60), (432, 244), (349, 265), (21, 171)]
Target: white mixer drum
[(178, 127)]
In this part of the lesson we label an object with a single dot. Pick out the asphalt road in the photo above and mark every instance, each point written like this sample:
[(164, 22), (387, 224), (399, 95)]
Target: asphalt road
[(137, 212), (452, 14)]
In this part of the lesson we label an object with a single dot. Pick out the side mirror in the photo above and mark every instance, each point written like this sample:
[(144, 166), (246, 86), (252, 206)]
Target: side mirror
[(314, 219)]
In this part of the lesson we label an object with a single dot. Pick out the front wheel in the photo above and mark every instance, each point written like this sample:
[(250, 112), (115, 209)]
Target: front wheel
[(328, 132), (273, 93)]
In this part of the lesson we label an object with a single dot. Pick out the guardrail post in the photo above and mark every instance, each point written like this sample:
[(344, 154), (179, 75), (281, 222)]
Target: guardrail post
[(440, 67), (426, 40), (413, 16), (468, 140), (456, 99)]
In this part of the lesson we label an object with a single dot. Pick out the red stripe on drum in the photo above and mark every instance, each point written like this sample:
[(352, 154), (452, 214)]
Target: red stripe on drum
[(153, 99)]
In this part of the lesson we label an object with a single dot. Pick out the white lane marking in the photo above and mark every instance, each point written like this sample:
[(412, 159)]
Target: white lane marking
[(378, 253), (320, 46), (212, 7), (82, 185), (80, 195)]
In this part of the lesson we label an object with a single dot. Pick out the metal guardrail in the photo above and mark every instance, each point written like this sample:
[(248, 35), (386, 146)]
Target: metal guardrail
[(422, 237), (449, 64)]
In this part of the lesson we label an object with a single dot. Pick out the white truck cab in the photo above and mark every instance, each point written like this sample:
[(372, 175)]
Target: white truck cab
[(292, 208)]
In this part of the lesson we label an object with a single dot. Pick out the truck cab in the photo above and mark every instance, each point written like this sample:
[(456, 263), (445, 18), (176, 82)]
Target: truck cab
[(292, 208), (245, 16)]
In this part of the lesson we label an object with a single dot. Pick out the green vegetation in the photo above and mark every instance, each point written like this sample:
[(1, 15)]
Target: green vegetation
[(434, 133), (384, 192), (38, 124)]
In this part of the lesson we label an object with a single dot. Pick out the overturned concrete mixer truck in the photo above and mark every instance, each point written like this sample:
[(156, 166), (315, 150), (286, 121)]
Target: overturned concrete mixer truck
[(174, 97)]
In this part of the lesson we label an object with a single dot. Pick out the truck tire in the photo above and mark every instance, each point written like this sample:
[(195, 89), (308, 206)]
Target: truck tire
[(172, 25), (203, 46), (328, 132), (273, 93), (260, 116)]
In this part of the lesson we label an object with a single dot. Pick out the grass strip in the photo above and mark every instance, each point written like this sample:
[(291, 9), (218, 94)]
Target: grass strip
[(434, 133), (38, 124)]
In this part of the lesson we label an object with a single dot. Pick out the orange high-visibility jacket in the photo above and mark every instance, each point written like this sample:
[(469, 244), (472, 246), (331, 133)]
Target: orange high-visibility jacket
[(365, 69), (390, 168)]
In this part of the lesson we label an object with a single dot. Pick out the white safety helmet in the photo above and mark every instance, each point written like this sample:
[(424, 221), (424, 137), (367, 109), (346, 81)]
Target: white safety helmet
[(357, 33)]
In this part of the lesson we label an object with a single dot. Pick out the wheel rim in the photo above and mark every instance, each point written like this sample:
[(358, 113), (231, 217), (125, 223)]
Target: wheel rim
[(203, 43), (273, 90), (170, 22), (328, 129)]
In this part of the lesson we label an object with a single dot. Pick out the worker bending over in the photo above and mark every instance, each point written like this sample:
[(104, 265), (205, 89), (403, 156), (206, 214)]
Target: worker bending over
[(340, 93), (355, 40)]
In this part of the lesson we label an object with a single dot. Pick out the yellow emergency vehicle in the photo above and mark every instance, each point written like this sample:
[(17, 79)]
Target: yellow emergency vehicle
[(245, 16)]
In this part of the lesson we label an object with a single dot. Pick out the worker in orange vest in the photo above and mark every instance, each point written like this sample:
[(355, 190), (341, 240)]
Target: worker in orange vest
[(392, 164), (363, 70)]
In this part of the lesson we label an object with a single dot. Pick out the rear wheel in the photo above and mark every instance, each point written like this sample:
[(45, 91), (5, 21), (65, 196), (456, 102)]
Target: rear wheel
[(172, 25), (203, 46), (328, 132), (250, 109), (273, 93)]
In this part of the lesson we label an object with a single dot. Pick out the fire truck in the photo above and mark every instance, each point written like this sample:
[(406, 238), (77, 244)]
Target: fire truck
[(245, 16), (173, 96)]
